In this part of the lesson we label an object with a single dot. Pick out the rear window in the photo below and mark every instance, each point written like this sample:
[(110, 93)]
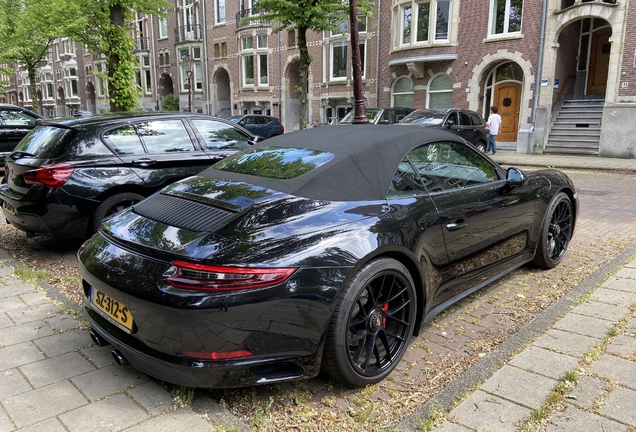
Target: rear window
[(275, 162), (46, 142), (425, 117)]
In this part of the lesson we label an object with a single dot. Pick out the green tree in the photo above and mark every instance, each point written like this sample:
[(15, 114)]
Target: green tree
[(103, 26), (304, 15), (28, 28), (170, 103)]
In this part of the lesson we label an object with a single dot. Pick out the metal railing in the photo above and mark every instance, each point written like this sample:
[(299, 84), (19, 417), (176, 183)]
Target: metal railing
[(188, 33), (142, 44), (245, 13)]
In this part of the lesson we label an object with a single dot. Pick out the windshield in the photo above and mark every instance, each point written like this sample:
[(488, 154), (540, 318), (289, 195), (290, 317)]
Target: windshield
[(235, 118), (372, 113), (46, 142), (275, 162), (429, 117)]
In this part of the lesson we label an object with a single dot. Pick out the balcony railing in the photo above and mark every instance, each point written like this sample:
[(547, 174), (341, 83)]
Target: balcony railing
[(186, 33), (142, 44), (251, 13)]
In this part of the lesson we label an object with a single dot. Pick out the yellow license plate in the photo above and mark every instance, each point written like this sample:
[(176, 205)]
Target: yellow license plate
[(113, 309), (9, 208)]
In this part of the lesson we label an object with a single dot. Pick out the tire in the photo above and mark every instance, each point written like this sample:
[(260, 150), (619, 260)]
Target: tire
[(556, 232), (481, 146), (372, 323), (110, 207)]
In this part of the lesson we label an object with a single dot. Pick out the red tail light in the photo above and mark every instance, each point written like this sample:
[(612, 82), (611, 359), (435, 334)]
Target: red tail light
[(282, 128), (54, 176), (186, 275), (221, 355)]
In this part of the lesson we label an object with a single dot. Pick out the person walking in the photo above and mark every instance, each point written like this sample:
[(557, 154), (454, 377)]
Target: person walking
[(494, 124)]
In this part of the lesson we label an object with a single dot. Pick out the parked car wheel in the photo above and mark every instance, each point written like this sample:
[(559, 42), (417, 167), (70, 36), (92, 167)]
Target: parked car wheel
[(555, 233), (481, 146), (372, 323), (111, 206)]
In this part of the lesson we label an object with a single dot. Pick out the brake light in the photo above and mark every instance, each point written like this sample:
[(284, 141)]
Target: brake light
[(186, 275), (54, 175), (282, 128), (215, 355)]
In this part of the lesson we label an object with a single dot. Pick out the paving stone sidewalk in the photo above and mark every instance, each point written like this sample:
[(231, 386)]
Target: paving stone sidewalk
[(595, 341), (53, 378)]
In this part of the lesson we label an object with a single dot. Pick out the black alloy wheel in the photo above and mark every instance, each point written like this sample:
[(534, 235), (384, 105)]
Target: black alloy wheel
[(372, 324), (555, 233), (481, 146)]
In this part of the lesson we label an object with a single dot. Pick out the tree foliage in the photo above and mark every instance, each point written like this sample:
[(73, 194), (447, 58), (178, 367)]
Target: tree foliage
[(28, 28), (103, 27), (304, 15)]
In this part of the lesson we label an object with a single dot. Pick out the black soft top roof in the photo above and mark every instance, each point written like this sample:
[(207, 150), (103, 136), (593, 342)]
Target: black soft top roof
[(366, 157)]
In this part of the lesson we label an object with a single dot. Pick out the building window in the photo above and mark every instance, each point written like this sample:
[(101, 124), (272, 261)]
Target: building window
[(363, 57), (217, 50), (196, 53), (261, 41), (223, 49), (148, 81), (220, 11), (403, 93), (440, 92), (343, 27), (247, 42), (505, 16), (163, 28), (339, 59), (263, 76), (421, 22), (248, 70), (362, 24), (291, 38)]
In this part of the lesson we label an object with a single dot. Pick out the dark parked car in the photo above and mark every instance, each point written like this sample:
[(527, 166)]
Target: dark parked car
[(379, 115), (261, 125), (330, 245), (69, 174), (465, 123), (15, 123)]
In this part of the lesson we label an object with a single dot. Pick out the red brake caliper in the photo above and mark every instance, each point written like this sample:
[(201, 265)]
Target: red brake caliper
[(385, 307)]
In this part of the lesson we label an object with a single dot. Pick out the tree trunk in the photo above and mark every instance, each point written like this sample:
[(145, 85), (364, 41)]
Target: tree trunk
[(35, 107), (116, 22), (305, 61)]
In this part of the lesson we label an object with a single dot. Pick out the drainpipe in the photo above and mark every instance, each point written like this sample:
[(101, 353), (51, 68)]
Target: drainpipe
[(377, 57), (540, 65)]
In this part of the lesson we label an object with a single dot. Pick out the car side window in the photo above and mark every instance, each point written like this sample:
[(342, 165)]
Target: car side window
[(165, 136), (16, 118), (464, 119), (476, 119), (124, 141), (218, 135), (452, 117), (249, 120), (441, 166), (262, 120), (386, 117), (399, 115)]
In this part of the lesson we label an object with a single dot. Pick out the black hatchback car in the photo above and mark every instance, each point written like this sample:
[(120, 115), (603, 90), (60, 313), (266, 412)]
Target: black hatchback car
[(67, 175), (379, 115), (467, 124), (15, 123)]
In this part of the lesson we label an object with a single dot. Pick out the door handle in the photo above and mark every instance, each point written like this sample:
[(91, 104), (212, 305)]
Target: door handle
[(144, 161), (457, 224)]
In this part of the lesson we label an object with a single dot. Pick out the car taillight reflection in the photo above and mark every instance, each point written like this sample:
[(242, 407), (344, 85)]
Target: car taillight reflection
[(193, 276), (55, 175)]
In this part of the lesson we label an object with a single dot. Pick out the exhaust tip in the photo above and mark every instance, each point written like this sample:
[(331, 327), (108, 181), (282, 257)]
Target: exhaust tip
[(97, 339), (119, 357)]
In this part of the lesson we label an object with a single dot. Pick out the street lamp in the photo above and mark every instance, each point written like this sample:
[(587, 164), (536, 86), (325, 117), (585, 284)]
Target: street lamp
[(189, 62)]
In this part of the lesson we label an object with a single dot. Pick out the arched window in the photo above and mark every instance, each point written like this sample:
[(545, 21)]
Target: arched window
[(440, 92), (403, 93)]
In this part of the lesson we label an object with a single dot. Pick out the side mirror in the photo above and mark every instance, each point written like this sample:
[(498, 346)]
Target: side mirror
[(515, 177), (255, 139), (450, 123)]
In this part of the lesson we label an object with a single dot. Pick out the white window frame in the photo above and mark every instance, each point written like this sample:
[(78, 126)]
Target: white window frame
[(163, 28), (218, 17), (506, 25), (429, 91), (398, 23), (403, 93), (332, 45), (245, 78)]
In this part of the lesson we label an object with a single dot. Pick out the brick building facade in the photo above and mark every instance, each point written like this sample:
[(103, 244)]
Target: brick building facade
[(531, 58)]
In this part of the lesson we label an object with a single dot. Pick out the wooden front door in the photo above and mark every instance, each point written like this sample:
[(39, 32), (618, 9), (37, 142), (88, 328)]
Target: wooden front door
[(599, 62), (508, 100)]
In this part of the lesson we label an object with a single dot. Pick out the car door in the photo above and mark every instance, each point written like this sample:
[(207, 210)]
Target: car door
[(465, 127), (451, 122), (159, 151), (485, 223)]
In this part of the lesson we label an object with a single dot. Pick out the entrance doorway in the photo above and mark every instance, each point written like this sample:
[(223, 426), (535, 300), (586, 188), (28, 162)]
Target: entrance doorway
[(599, 62), (508, 99)]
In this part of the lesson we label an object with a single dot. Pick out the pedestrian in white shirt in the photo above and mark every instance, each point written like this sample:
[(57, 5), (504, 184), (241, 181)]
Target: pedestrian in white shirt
[(494, 124)]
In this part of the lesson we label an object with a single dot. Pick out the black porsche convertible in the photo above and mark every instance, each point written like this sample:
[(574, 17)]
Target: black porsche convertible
[(326, 248)]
